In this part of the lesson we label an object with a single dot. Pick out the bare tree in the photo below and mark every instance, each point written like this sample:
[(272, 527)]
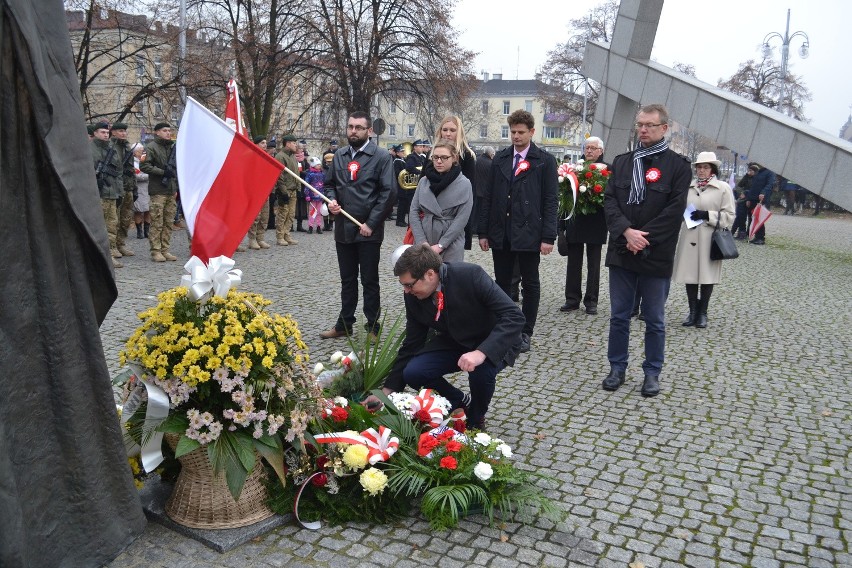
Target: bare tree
[(562, 73), (394, 47), (764, 83), (121, 59)]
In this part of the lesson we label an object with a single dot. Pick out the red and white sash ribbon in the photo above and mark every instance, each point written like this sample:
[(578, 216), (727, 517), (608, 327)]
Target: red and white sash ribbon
[(425, 400), (382, 444)]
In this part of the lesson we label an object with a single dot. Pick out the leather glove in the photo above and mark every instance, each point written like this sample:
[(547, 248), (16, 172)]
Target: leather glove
[(698, 214)]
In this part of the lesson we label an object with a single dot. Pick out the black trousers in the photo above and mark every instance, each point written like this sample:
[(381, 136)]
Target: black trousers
[(574, 275), (504, 263), (403, 204), (352, 259)]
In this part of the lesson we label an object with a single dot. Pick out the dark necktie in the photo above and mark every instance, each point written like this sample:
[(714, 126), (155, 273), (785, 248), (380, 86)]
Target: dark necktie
[(515, 166)]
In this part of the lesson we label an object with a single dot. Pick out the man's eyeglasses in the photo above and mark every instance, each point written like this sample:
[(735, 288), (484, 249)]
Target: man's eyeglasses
[(592, 148), (356, 127), (409, 286), (441, 158), (648, 125)]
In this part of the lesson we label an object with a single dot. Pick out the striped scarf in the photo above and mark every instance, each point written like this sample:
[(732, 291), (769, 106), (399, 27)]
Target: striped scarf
[(637, 186), (701, 183)]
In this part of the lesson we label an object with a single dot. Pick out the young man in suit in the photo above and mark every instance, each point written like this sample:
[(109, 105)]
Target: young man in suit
[(517, 219), (475, 328)]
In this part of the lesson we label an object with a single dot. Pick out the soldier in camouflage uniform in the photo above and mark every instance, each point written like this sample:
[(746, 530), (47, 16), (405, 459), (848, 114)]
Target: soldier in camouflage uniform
[(125, 210), (258, 226), (162, 189), (107, 162), (285, 192)]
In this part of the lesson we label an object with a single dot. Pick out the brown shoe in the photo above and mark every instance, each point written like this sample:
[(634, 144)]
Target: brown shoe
[(115, 253), (333, 333), (158, 257), (282, 243), (169, 256), (126, 251), (263, 244)]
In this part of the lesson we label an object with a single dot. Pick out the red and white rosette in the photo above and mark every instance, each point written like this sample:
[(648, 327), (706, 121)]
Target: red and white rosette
[(382, 444), (425, 400), (353, 168), (653, 175), (523, 166)]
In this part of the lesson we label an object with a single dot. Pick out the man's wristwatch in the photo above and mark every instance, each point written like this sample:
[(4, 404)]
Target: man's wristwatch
[(440, 246)]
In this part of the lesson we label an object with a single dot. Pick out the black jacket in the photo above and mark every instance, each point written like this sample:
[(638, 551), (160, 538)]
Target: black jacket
[(369, 198), (525, 204), (661, 213), (477, 314)]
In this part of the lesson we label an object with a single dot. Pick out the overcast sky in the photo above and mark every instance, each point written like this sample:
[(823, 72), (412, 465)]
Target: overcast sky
[(715, 37)]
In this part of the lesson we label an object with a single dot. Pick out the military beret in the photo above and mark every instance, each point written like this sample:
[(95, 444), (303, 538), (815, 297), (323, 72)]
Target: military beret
[(101, 124), (271, 143), (160, 125), (333, 142), (258, 139), (289, 138), (119, 126), (90, 128)]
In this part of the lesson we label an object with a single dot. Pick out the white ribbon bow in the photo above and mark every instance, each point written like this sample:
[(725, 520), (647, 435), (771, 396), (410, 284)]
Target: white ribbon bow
[(218, 276)]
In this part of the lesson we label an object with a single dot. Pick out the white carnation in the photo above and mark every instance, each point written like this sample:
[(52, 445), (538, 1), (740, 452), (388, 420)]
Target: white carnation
[(483, 471), (583, 189), (340, 401), (318, 368), (337, 356), (560, 179), (482, 439), (505, 450)]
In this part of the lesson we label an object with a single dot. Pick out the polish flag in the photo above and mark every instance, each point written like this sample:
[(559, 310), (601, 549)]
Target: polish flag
[(759, 216), (233, 112), (224, 180)]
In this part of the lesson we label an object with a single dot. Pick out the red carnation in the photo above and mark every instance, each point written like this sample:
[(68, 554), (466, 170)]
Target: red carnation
[(423, 415), (339, 414), (604, 172), (598, 188), (319, 480), (589, 175), (322, 461), (426, 444), (454, 446), (449, 462), (460, 426), (592, 167), (446, 435)]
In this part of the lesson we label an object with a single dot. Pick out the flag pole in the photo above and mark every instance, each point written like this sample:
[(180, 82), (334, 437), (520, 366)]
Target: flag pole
[(326, 199)]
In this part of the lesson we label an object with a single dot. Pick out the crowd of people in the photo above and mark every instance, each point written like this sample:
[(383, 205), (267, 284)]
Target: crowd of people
[(458, 317)]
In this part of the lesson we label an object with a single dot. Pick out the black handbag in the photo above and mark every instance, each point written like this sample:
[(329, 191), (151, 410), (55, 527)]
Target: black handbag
[(723, 246)]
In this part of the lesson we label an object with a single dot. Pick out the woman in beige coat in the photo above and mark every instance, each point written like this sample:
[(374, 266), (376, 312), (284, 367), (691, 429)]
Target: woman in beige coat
[(713, 202)]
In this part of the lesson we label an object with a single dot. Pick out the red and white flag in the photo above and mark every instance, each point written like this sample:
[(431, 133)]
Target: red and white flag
[(759, 216), (224, 179), (233, 112)]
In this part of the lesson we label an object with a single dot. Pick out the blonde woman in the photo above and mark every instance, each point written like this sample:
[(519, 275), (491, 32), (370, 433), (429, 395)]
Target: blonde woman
[(451, 129), (442, 204)]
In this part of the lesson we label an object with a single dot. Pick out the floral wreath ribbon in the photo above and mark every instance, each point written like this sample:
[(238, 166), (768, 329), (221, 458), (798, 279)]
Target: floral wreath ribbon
[(216, 277), (567, 171), (157, 411), (425, 400)]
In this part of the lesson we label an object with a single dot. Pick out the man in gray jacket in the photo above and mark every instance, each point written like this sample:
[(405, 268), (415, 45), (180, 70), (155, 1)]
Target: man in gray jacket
[(361, 181)]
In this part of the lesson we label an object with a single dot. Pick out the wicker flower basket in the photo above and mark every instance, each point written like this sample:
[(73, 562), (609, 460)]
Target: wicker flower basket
[(202, 501)]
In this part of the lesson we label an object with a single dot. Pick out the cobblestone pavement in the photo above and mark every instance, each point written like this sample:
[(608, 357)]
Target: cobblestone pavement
[(743, 460)]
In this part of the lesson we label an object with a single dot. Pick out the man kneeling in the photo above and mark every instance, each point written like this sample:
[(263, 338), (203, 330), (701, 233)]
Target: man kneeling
[(457, 318)]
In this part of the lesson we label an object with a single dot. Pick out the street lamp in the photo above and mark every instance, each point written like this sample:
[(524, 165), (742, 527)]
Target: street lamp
[(804, 51)]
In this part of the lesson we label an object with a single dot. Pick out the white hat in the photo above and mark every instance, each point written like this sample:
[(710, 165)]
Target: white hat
[(398, 253), (707, 158), (313, 161)]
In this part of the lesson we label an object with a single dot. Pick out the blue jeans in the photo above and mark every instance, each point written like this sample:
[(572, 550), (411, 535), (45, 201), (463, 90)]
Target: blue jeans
[(623, 286), (427, 370)]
